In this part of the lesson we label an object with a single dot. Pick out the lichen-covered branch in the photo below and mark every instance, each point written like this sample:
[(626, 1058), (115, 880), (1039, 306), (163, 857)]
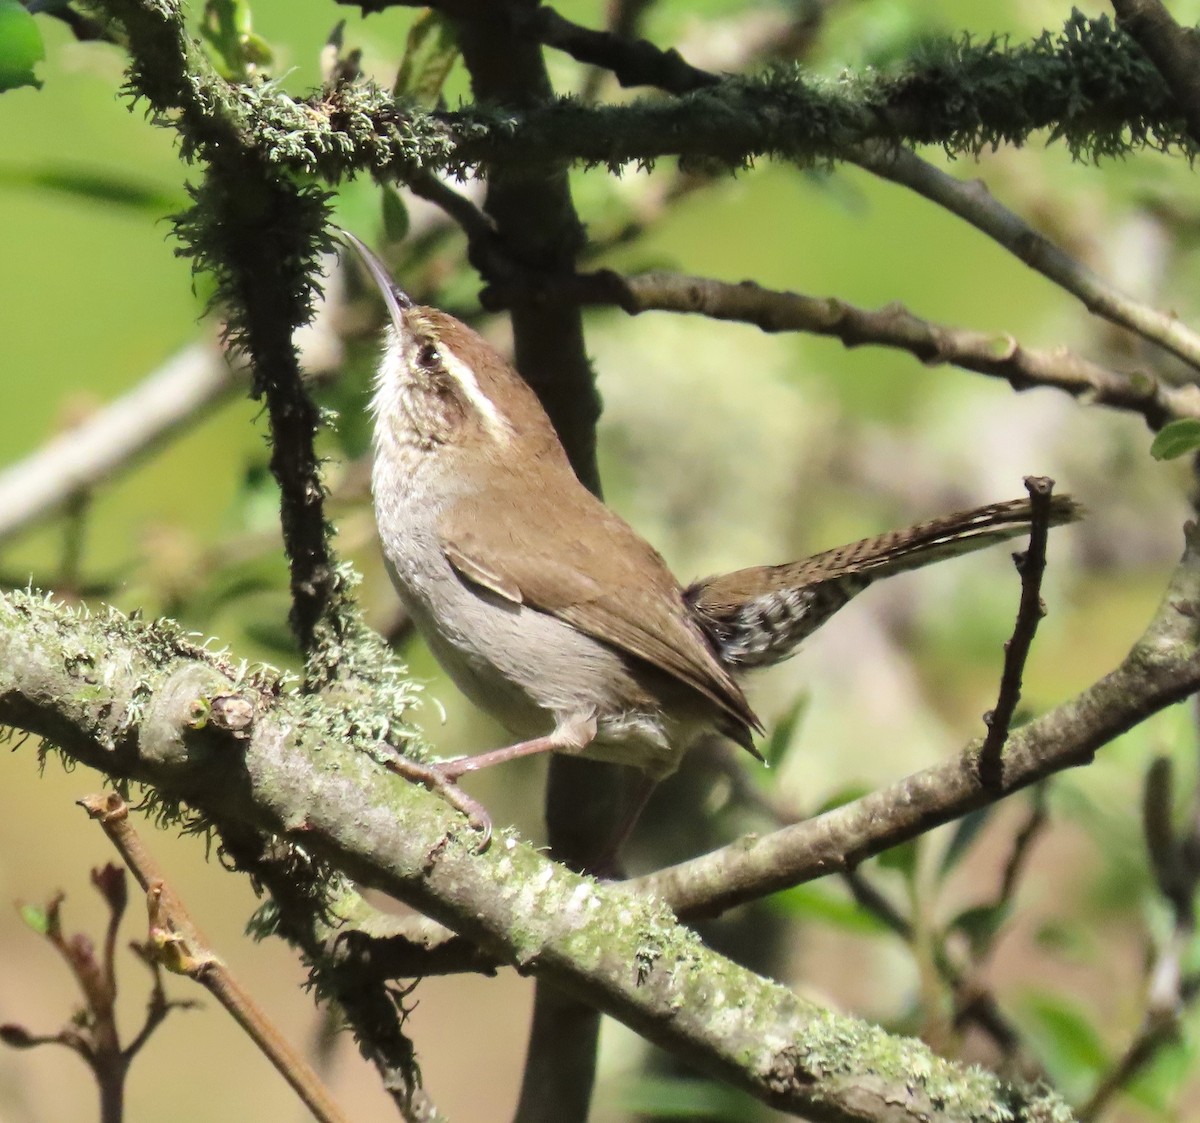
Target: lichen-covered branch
[(143, 703), (1091, 84), (259, 232), (1173, 49)]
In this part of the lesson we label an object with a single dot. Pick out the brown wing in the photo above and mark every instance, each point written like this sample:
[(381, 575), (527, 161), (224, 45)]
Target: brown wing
[(578, 561)]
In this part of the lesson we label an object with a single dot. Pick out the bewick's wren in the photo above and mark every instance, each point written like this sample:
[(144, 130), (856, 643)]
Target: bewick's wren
[(549, 611)]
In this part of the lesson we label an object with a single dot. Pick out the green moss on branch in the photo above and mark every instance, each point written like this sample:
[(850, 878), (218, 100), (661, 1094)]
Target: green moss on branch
[(129, 698)]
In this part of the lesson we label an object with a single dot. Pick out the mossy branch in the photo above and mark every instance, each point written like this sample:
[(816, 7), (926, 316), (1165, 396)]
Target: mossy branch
[(259, 233), (143, 703), (1089, 84)]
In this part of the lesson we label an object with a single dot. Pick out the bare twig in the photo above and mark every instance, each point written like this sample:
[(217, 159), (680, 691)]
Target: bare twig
[(633, 62), (845, 836), (972, 202), (1175, 862), (92, 1033), (342, 939), (177, 395), (181, 948), (997, 355), (1031, 565), (1022, 846)]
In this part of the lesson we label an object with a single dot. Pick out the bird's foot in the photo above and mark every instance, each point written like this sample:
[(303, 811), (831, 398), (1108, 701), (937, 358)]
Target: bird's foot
[(442, 779)]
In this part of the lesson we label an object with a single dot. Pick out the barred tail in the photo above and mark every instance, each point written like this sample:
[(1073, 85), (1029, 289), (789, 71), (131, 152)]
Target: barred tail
[(758, 616)]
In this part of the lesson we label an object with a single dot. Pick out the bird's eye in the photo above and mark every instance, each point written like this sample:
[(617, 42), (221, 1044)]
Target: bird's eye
[(428, 356)]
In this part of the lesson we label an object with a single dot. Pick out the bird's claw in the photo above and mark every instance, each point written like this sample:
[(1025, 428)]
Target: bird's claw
[(442, 780)]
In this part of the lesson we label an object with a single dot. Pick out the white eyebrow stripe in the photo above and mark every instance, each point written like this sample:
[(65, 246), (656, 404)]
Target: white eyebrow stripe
[(495, 421)]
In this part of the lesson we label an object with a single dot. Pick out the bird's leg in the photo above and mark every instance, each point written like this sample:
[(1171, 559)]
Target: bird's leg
[(570, 736), (452, 770), (443, 776)]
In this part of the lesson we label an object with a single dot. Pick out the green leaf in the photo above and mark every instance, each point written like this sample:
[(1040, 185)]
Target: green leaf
[(667, 1097), (1176, 438), (228, 27), (21, 47), (1070, 1045), (1071, 942), (36, 918), (395, 215), (783, 735), (109, 188), (1159, 1084), (902, 859), (965, 832), (429, 57), (257, 51), (980, 924), (813, 903)]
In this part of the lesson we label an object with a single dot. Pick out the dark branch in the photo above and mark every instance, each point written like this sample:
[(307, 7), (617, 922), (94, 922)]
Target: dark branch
[(633, 62), (1031, 565), (1174, 50), (537, 226)]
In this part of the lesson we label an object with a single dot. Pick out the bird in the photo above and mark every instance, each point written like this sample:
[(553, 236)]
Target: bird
[(546, 609)]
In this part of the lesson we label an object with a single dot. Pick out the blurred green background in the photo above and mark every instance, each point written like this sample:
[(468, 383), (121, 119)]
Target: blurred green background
[(723, 446)]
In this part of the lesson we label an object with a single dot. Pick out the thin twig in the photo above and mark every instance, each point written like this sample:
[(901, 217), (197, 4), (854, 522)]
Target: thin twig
[(974, 1003), (633, 62), (997, 355), (641, 63), (92, 1031), (173, 397), (1031, 565), (1175, 863), (1022, 847), (343, 940), (845, 836), (972, 202), (183, 949)]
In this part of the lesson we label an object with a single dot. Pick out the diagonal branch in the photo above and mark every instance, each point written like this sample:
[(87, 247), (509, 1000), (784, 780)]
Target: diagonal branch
[(973, 203), (1162, 668), (176, 943), (537, 225), (130, 699), (1168, 47), (176, 395)]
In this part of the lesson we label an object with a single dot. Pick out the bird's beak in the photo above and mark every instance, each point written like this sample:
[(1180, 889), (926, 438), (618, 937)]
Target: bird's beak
[(396, 298)]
